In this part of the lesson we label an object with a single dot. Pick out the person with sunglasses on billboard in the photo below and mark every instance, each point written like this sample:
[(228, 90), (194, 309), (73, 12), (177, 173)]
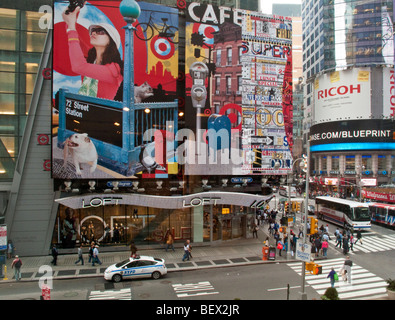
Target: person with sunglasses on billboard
[(102, 70)]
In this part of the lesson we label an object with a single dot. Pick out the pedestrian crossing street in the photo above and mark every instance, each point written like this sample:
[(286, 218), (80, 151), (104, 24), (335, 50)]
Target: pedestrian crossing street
[(371, 244), (364, 284), (194, 289), (122, 294)]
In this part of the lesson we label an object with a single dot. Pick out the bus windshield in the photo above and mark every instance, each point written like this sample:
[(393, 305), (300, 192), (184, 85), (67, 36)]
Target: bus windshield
[(361, 214)]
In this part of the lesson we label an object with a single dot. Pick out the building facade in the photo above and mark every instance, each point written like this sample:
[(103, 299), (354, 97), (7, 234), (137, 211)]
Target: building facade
[(40, 210), (348, 67)]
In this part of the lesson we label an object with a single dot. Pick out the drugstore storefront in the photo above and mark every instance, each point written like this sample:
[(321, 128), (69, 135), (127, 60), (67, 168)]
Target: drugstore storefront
[(118, 219)]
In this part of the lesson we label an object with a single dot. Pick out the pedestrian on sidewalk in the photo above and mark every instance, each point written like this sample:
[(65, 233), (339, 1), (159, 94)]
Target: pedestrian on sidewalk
[(271, 228), (186, 251), (339, 240), (133, 250), (359, 237), (317, 243), (280, 247), (324, 246), (345, 244), (80, 256), (255, 229), (10, 249), (54, 253), (96, 256), (347, 265), (331, 276), (16, 265), (352, 241), (170, 242), (91, 252)]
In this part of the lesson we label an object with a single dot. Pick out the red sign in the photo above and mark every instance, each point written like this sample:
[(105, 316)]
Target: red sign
[(386, 197), (46, 292)]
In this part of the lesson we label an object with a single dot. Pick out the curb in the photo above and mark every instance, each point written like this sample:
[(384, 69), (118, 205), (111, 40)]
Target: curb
[(194, 267)]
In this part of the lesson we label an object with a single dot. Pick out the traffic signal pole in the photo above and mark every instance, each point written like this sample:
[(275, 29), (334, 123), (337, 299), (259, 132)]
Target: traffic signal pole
[(306, 212)]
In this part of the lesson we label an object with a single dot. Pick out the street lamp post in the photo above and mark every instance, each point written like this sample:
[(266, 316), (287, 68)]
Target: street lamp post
[(130, 11)]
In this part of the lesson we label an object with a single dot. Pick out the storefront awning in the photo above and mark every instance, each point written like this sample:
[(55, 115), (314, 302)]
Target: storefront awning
[(172, 202)]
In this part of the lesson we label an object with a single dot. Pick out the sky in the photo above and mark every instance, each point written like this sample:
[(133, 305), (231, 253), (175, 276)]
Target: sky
[(266, 5)]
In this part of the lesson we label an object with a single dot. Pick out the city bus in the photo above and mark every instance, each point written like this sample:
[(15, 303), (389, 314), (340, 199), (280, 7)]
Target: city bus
[(345, 213), (382, 214)]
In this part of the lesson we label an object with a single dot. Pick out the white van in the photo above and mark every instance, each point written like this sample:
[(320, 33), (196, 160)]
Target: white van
[(284, 191)]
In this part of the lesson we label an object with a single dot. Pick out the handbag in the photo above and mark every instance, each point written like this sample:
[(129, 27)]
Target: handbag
[(336, 277), (279, 246)]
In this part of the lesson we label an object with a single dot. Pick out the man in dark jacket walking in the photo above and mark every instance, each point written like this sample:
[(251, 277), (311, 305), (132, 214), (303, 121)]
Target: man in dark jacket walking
[(54, 255)]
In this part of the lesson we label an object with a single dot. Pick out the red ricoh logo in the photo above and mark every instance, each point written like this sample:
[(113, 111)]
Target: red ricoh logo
[(339, 91)]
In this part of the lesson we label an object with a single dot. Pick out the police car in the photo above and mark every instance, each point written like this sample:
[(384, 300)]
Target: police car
[(139, 267)]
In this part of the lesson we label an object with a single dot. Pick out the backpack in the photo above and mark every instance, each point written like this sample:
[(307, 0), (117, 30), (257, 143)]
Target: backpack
[(18, 264)]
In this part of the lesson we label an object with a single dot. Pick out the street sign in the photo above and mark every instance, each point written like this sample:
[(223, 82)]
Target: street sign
[(303, 252), (3, 237)]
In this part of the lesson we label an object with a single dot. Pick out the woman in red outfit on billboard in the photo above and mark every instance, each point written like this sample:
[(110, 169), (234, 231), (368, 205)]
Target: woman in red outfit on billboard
[(101, 71)]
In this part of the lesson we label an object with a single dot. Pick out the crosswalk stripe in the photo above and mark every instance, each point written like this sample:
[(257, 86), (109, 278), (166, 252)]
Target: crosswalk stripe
[(193, 289), (372, 244), (123, 294), (364, 284)]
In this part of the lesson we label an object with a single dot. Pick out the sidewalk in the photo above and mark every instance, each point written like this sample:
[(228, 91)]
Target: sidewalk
[(225, 254)]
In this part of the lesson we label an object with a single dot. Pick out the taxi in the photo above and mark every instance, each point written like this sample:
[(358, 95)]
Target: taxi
[(133, 268)]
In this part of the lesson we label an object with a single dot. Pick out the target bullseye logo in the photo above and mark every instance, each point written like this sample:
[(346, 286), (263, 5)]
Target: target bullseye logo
[(207, 31), (162, 48), (43, 139), (47, 165)]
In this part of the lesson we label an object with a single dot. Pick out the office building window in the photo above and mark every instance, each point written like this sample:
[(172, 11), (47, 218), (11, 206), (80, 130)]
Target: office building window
[(218, 60), (21, 46), (335, 163), (229, 56), (366, 162), (350, 162), (381, 163)]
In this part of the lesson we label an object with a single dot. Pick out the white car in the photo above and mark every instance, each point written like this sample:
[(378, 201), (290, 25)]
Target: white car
[(132, 268)]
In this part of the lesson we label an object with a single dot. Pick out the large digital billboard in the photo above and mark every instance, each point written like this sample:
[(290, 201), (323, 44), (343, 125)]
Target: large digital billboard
[(343, 95), (352, 135), (239, 83), (237, 98)]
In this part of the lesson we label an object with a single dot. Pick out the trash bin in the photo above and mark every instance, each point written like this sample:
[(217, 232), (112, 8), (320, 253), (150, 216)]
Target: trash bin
[(265, 253), (272, 253)]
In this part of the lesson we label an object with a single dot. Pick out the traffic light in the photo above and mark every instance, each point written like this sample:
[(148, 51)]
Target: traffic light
[(197, 39), (297, 209), (313, 225), (286, 207)]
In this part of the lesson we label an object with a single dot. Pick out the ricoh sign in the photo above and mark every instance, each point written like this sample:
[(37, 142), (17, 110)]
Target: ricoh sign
[(342, 94), (339, 91)]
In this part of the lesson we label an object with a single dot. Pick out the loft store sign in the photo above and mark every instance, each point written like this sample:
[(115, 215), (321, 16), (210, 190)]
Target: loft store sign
[(98, 202), (197, 202), (164, 202), (194, 202)]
